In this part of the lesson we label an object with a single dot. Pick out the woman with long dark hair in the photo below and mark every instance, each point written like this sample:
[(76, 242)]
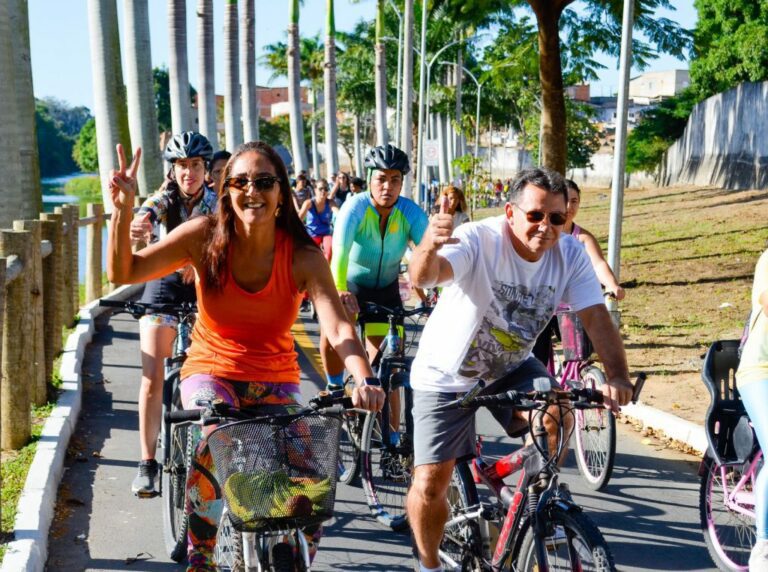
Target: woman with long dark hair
[(252, 263)]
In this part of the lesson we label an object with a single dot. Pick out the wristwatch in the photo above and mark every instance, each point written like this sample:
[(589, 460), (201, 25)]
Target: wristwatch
[(372, 381)]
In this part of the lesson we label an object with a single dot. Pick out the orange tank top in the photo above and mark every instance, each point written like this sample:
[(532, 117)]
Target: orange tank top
[(247, 336)]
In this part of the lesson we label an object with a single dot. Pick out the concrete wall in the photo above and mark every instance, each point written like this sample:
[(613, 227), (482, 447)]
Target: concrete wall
[(725, 143)]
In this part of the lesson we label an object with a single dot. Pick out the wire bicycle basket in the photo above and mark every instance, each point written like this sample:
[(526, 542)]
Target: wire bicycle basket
[(277, 473)]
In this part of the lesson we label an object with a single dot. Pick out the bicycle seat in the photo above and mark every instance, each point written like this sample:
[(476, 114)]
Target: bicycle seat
[(726, 424)]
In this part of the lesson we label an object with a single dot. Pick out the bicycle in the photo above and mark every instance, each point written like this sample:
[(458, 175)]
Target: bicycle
[(175, 443), (595, 430), (730, 465), (277, 475), (386, 449), (540, 526)]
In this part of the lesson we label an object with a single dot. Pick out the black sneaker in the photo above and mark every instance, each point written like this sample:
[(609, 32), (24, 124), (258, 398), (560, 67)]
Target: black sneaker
[(143, 485), (306, 305)]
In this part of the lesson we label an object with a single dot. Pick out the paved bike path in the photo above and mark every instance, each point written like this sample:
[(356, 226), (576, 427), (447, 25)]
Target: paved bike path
[(648, 514)]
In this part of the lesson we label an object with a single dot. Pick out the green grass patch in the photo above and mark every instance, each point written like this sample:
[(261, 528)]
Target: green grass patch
[(87, 189)]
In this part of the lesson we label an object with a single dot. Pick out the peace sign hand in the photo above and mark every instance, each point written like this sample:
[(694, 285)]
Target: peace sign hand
[(122, 183)]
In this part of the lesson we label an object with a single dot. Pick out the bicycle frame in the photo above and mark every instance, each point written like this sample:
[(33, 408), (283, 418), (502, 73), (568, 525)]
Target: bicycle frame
[(738, 499)]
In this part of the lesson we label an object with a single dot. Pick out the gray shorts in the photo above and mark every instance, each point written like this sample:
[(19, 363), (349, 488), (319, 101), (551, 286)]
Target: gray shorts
[(445, 435)]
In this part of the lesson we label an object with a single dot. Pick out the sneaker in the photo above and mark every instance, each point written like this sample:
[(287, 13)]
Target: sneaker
[(144, 483), (758, 559), (306, 305)]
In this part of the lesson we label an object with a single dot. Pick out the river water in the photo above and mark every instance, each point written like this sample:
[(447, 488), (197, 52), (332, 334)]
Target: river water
[(53, 196)]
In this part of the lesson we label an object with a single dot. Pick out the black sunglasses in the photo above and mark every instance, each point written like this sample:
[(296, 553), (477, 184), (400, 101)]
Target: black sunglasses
[(262, 184), (557, 219)]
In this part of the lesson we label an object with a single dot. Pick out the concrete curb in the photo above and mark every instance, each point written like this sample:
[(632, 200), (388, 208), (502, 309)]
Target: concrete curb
[(671, 425), (37, 503)]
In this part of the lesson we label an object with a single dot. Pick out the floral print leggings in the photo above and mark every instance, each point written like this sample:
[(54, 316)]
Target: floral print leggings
[(204, 504)]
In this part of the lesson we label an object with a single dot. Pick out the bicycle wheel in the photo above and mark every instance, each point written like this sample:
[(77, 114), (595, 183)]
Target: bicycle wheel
[(729, 535), (387, 456), (349, 442), (462, 544), (174, 479), (595, 436), (574, 543), (228, 552)]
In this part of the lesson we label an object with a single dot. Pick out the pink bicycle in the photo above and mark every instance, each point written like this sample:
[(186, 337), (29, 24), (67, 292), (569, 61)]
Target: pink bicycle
[(730, 466)]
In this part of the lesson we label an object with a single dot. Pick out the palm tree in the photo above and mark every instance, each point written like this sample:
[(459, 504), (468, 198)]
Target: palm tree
[(142, 117), (406, 129), (248, 72), (206, 95), (10, 169), (108, 92), (382, 136), (232, 126), (29, 188), (294, 89), (331, 134), (178, 74)]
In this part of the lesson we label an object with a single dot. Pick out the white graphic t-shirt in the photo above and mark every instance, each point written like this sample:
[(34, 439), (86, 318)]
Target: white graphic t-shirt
[(487, 320)]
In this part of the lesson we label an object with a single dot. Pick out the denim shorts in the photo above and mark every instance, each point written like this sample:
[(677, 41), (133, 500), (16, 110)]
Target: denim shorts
[(444, 435)]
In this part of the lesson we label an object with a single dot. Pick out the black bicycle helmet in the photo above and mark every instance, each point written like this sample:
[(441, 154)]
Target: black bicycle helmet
[(387, 157), (187, 145)]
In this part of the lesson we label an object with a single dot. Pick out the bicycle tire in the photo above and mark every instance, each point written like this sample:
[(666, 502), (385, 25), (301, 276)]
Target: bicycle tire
[(387, 468), (228, 552), (595, 436), (349, 443), (283, 558), (729, 535), (582, 546), (177, 446), (462, 544)]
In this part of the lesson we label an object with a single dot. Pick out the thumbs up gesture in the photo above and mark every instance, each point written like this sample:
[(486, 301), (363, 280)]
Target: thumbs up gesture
[(441, 226), (141, 228)]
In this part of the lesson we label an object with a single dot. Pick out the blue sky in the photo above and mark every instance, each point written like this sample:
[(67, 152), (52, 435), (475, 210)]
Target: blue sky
[(61, 64)]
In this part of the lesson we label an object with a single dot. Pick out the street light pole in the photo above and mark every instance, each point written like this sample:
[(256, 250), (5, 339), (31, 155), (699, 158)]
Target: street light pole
[(422, 80), (400, 49)]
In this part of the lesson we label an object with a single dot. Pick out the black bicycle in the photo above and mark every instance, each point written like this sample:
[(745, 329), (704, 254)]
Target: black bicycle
[(386, 438), (277, 475), (535, 525), (174, 442)]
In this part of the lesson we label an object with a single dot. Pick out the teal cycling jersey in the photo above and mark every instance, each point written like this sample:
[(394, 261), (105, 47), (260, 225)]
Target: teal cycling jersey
[(360, 253)]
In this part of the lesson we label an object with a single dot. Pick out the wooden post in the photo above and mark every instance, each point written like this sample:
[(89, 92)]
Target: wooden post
[(50, 229), (38, 393), (74, 267), (93, 265), (65, 284), (15, 407)]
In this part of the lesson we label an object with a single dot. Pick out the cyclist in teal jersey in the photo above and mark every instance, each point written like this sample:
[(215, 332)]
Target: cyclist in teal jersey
[(370, 236)]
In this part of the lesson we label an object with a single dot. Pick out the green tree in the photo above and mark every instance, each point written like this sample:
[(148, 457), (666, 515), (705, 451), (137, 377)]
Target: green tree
[(161, 85), (55, 146), (85, 151), (70, 119)]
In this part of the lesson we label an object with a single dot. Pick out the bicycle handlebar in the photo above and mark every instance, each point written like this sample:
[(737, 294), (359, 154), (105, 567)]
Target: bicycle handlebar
[(372, 308), (139, 309)]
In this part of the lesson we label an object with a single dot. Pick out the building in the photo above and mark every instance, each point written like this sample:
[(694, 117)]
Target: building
[(578, 92), (652, 87)]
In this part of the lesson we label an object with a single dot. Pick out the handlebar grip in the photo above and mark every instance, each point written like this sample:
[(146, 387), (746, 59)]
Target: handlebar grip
[(112, 303), (183, 415), (470, 395), (639, 383)]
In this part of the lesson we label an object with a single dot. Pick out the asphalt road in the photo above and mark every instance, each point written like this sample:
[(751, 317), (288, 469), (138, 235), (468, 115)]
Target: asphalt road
[(648, 513)]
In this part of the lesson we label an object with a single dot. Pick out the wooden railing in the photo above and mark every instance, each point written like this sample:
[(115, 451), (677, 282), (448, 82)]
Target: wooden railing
[(39, 268)]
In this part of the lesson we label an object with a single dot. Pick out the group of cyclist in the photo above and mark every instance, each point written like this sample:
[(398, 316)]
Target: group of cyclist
[(236, 243)]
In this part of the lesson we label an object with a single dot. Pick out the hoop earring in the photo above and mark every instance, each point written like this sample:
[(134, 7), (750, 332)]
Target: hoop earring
[(277, 211)]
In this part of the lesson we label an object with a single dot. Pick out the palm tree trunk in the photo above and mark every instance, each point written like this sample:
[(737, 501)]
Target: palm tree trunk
[(329, 77), (358, 147), (206, 93), (29, 189), (178, 74), (10, 127), (233, 130), (459, 75), (442, 136), (108, 92), (382, 136), (142, 117), (248, 71), (315, 152), (406, 129), (294, 90)]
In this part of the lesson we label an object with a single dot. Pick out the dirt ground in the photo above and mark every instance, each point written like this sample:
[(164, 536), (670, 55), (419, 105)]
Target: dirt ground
[(687, 260)]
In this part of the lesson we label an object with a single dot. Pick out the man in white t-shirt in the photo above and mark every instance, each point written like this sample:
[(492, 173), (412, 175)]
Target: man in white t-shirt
[(503, 278)]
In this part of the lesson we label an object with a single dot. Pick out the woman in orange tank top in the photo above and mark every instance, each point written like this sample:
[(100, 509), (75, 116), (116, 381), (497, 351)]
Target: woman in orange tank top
[(252, 261)]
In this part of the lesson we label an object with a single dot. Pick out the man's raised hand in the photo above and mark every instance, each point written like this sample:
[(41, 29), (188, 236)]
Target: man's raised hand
[(441, 226), (122, 183)]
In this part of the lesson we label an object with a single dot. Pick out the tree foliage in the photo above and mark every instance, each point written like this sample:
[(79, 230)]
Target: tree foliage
[(54, 145), (162, 90), (70, 119), (85, 151)]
